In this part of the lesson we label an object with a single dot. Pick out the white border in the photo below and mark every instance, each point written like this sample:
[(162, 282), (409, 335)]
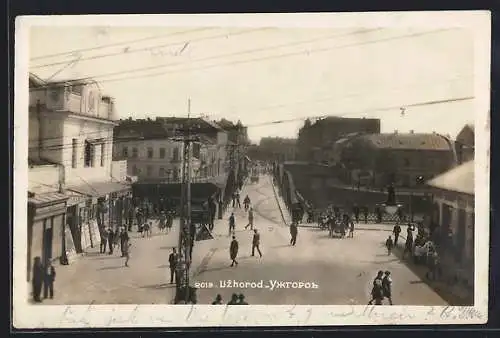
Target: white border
[(30, 316)]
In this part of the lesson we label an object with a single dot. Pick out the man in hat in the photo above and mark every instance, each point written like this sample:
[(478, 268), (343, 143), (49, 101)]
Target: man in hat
[(234, 300)]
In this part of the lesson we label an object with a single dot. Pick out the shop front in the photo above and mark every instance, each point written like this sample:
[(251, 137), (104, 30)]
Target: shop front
[(104, 207), (46, 236)]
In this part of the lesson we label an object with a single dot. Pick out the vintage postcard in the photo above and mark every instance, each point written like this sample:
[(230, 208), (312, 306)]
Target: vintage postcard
[(319, 169)]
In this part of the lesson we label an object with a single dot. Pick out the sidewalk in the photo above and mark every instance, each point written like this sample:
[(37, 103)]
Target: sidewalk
[(455, 294), (103, 279), (287, 219)]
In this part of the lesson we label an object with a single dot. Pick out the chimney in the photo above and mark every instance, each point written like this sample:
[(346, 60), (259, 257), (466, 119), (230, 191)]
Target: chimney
[(411, 131)]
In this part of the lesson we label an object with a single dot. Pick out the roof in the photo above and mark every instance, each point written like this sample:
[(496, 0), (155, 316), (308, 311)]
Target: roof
[(458, 179), (47, 198), (407, 141), (100, 189)]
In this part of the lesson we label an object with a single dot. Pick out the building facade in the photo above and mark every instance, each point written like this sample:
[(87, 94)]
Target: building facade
[(464, 144), (377, 160), (71, 127), (453, 197), (316, 140), (272, 149)]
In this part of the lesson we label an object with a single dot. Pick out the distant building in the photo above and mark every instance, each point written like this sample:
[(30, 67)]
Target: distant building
[(376, 160), (154, 150), (464, 144), (454, 197), (316, 140), (70, 144), (274, 149)]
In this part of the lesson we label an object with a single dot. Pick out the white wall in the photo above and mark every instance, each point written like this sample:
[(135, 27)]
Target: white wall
[(42, 179), (119, 170)]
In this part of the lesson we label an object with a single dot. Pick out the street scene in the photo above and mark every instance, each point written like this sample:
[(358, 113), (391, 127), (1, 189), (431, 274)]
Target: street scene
[(323, 168)]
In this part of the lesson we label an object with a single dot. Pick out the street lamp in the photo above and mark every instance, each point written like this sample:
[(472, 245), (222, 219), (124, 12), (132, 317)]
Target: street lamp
[(419, 180)]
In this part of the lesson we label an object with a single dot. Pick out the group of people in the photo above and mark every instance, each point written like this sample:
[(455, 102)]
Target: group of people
[(381, 288), (110, 239), (337, 223), (43, 278), (235, 300)]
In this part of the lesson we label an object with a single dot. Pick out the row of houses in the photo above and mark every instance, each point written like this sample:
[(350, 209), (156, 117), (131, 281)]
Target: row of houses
[(75, 188), (84, 161)]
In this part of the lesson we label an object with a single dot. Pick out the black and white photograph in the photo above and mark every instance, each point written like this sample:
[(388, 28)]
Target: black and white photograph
[(319, 169)]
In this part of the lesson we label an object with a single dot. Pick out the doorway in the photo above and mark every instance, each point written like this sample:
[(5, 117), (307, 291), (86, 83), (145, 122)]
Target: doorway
[(47, 241)]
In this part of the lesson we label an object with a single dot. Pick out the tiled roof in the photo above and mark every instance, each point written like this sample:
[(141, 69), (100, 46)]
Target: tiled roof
[(459, 179), (47, 198), (407, 141)]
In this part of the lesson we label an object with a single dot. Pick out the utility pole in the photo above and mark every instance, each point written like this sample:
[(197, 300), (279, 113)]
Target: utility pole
[(185, 235)]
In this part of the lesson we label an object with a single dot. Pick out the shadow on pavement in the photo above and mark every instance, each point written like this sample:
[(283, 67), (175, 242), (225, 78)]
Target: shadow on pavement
[(441, 288), (112, 267), (158, 286)]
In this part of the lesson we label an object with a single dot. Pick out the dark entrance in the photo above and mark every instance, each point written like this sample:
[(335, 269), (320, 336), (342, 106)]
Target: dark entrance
[(461, 239), (47, 241)]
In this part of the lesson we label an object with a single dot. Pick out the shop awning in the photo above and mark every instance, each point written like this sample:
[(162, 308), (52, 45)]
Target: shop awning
[(47, 198), (100, 189)]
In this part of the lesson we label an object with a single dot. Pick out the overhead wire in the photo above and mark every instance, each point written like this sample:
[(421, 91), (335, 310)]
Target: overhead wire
[(149, 48), (222, 56), (201, 130), (128, 42), (265, 58)]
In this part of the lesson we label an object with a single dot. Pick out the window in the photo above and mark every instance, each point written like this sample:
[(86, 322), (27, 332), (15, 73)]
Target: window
[(161, 172), (125, 151), (135, 153), (175, 156), (149, 170), (162, 152), (88, 154), (135, 171), (74, 154), (103, 154), (150, 152)]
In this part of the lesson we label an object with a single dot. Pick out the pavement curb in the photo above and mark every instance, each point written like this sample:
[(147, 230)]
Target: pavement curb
[(278, 202)]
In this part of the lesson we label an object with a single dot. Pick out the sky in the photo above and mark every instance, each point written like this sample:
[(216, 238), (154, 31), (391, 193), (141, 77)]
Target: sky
[(264, 74)]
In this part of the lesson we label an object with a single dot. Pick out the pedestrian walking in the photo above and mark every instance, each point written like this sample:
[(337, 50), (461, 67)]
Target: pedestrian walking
[(232, 224), (238, 204), (104, 240), (355, 211), (233, 251), (246, 202), (408, 247), (111, 240), (48, 281), (123, 241), (389, 244), (396, 231), (250, 219), (351, 229), (365, 214), (256, 243), (387, 286), (173, 259), (127, 253), (37, 279), (377, 293), (293, 233)]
